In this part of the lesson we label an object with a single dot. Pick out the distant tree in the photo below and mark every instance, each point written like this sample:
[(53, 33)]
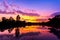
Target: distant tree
[(3, 18), (18, 18), (11, 18)]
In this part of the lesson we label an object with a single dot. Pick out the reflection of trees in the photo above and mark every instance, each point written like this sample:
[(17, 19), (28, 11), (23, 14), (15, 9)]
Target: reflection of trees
[(55, 24), (55, 32), (17, 32)]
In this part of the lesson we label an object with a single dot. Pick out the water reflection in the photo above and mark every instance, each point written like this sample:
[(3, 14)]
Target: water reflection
[(33, 33), (55, 32)]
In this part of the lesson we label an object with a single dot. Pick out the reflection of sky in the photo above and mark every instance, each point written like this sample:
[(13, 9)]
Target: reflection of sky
[(33, 32), (44, 6)]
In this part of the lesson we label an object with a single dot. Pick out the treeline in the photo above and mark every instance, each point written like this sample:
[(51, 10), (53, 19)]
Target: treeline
[(54, 22), (11, 23)]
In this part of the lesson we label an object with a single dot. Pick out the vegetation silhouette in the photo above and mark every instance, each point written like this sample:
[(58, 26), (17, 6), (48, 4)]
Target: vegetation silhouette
[(54, 22), (10, 24)]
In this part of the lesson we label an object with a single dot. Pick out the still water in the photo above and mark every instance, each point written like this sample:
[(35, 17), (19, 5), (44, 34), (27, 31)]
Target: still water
[(31, 33)]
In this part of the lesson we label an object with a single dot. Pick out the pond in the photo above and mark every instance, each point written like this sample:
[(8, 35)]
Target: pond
[(32, 33)]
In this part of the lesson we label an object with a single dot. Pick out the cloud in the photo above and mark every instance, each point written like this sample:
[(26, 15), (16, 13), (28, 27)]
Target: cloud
[(20, 12), (56, 13), (29, 14)]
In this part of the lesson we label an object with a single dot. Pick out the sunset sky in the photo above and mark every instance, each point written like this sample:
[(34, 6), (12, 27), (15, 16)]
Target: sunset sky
[(42, 7)]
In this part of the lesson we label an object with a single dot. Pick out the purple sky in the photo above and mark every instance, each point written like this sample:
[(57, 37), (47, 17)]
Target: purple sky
[(44, 7)]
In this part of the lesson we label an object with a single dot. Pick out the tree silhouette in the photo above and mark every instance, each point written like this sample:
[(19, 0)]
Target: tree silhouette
[(54, 22)]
